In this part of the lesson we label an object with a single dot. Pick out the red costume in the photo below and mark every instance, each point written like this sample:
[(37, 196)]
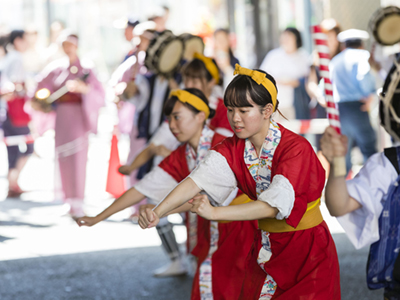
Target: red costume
[(235, 240), (300, 264)]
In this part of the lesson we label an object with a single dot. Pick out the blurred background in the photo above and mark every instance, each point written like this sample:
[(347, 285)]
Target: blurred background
[(99, 23), (43, 253)]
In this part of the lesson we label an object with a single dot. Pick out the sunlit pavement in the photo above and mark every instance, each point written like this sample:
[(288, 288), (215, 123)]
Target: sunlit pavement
[(45, 255)]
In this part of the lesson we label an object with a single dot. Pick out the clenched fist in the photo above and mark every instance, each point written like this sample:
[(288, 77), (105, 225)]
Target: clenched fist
[(333, 144), (201, 206)]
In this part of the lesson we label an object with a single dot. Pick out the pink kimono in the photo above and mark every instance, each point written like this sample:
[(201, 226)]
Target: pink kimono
[(76, 117)]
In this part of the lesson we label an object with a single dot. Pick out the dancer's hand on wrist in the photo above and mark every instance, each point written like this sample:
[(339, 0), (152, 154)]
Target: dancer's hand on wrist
[(148, 218), (201, 206)]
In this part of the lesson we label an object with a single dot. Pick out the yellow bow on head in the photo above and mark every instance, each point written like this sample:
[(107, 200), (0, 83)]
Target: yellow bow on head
[(210, 65), (193, 100), (261, 79)]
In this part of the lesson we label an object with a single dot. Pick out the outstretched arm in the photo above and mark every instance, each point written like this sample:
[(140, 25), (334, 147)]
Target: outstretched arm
[(254, 210), (337, 197), (183, 208), (142, 158), (129, 198)]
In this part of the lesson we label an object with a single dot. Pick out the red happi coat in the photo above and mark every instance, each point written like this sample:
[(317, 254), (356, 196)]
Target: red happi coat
[(304, 263), (235, 239), (220, 119)]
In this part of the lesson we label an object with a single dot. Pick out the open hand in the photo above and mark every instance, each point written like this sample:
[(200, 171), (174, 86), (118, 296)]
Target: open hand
[(87, 221), (148, 218), (125, 170), (201, 206), (333, 144)]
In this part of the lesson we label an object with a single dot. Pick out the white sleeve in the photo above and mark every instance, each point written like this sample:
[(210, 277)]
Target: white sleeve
[(118, 74), (140, 100), (164, 136), (214, 176), (230, 198), (369, 188), (156, 185), (280, 194)]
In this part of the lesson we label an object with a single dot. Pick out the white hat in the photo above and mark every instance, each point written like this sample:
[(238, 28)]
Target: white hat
[(142, 27), (352, 34)]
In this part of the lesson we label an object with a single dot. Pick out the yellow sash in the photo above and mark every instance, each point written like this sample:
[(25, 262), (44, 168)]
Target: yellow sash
[(311, 218)]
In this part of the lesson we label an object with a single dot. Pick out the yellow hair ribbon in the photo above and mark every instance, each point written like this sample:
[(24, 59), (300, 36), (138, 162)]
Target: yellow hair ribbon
[(260, 78), (210, 65), (196, 102)]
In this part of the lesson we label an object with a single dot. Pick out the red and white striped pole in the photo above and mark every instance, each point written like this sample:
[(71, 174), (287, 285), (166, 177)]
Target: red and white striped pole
[(321, 45)]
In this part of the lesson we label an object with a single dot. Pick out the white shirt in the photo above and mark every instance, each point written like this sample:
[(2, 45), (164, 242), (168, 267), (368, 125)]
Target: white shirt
[(283, 67), (370, 188), (13, 68)]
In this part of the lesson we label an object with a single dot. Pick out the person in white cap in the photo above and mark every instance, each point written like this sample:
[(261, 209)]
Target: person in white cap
[(354, 88), (131, 23)]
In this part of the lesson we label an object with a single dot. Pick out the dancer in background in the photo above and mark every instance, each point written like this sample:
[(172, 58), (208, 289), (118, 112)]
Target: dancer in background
[(201, 73), (13, 90), (121, 80), (131, 23), (223, 54), (280, 172), (188, 127), (76, 117)]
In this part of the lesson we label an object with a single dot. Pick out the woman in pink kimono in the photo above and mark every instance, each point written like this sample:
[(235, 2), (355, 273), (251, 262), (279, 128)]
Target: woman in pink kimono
[(76, 117)]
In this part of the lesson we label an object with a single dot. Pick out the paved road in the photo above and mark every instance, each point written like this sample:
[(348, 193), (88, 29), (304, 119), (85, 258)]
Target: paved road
[(45, 255)]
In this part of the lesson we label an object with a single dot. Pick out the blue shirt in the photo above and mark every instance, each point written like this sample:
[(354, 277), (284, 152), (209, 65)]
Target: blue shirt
[(350, 75)]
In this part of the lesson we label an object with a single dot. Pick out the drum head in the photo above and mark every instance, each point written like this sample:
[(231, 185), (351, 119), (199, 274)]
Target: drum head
[(389, 106), (385, 25), (193, 44), (170, 56), (154, 46), (389, 30)]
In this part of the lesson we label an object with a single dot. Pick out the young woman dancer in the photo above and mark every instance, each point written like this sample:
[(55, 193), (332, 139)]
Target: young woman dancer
[(218, 246), (201, 73), (281, 173)]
